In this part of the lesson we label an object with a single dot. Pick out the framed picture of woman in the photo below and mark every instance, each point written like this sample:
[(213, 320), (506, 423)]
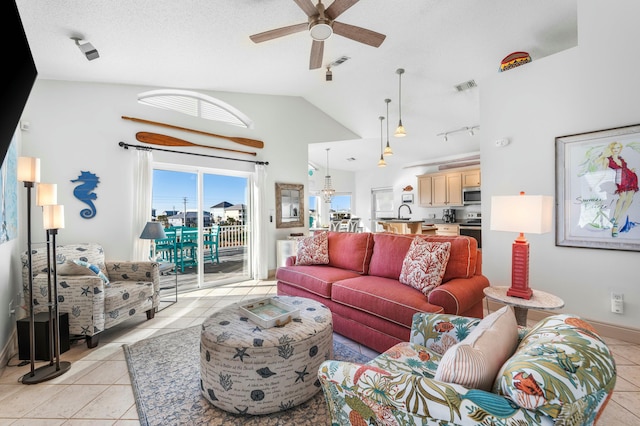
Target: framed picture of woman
[(597, 189)]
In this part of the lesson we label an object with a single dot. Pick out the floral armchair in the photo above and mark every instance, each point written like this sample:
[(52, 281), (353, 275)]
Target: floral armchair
[(97, 294), (561, 373)]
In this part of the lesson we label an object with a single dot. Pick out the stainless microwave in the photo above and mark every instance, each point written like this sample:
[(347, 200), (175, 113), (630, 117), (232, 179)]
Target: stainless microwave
[(471, 196)]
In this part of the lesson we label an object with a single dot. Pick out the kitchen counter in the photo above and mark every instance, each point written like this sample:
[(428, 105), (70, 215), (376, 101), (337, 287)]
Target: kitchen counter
[(402, 226)]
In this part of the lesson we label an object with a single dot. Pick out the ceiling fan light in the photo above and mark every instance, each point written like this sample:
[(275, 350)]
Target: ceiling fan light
[(320, 31)]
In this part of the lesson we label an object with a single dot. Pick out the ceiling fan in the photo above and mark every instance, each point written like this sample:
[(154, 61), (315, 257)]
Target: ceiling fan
[(321, 25)]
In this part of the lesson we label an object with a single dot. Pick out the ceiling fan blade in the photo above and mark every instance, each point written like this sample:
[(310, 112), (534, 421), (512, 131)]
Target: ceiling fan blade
[(307, 7), (279, 32), (359, 34), (317, 50), (338, 7)]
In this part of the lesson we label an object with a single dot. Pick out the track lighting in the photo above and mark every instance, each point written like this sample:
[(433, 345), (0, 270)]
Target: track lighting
[(400, 132), (387, 149), (89, 51), (470, 130)]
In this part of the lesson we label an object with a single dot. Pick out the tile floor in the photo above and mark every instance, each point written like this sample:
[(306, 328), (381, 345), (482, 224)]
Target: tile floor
[(97, 391)]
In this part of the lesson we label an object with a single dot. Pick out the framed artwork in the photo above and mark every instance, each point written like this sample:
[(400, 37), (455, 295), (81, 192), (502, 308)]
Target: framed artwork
[(289, 205), (407, 198), (597, 189)]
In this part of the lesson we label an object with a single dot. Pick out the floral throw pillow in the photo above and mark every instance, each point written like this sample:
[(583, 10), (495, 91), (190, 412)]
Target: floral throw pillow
[(424, 264), (313, 250)]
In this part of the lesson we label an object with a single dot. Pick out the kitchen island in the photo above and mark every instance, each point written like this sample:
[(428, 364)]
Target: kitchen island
[(405, 226)]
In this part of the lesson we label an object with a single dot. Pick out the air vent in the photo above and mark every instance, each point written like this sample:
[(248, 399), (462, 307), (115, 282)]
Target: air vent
[(466, 85), (339, 61)]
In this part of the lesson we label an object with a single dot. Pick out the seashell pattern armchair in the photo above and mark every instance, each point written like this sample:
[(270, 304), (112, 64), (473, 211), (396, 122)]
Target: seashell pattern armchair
[(97, 294)]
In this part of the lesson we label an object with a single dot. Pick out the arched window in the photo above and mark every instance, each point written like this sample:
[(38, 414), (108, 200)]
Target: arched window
[(195, 104)]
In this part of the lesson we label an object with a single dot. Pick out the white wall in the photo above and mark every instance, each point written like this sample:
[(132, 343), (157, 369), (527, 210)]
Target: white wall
[(77, 126), (590, 87)]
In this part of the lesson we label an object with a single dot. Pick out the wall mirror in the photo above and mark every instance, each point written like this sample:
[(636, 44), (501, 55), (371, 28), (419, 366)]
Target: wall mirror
[(289, 205)]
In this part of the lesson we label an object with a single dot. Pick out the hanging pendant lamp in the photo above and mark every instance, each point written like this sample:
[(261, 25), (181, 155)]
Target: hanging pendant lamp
[(387, 149), (400, 132), (381, 163), (327, 191)]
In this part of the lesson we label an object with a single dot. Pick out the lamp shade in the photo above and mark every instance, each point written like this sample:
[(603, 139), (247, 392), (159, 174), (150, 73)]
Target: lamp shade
[(528, 214), (46, 194), (153, 231), (53, 216), (28, 169)]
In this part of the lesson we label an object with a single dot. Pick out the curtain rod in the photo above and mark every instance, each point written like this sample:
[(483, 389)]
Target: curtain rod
[(128, 145)]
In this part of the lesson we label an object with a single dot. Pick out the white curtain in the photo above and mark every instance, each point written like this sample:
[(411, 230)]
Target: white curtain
[(260, 266), (142, 192)]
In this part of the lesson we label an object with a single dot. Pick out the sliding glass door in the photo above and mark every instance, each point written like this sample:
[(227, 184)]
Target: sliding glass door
[(205, 215)]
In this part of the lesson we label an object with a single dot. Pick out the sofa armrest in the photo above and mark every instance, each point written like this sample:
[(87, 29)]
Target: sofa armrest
[(459, 295), (81, 296), (136, 271), (357, 392), (291, 260)]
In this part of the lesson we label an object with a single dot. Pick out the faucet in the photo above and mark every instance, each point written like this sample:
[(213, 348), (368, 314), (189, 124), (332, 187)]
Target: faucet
[(401, 206)]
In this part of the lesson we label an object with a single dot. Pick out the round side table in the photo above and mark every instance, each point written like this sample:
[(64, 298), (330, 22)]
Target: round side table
[(539, 300)]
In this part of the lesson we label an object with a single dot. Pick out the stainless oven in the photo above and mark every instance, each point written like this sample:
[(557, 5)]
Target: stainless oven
[(474, 231)]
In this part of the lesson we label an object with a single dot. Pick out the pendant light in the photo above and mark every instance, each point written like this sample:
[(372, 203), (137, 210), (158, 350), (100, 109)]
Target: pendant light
[(381, 163), (327, 191), (387, 149), (400, 132)]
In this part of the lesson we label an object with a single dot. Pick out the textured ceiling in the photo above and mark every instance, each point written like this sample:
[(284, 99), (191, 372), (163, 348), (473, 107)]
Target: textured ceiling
[(204, 44)]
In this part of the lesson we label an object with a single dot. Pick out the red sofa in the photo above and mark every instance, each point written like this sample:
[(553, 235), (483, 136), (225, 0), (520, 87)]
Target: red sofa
[(361, 286)]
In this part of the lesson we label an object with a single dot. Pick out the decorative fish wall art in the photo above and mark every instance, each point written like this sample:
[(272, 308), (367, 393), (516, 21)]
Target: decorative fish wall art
[(84, 192)]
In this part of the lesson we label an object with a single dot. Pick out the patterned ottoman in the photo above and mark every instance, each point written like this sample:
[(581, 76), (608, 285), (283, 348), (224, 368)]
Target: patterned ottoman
[(247, 369)]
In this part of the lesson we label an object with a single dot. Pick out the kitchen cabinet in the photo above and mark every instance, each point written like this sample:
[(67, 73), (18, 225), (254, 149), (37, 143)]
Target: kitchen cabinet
[(440, 190), (425, 191), (471, 178), (447, 190), (450, 229)]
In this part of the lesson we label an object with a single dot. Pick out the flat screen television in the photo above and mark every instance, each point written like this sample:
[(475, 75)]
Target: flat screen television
[(20, 73)]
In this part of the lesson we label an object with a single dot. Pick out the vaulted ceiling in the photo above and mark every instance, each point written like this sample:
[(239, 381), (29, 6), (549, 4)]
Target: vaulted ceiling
[(205, 44)]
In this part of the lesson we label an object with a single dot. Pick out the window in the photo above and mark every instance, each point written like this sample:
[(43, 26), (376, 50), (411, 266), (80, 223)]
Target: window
[(197, 105)]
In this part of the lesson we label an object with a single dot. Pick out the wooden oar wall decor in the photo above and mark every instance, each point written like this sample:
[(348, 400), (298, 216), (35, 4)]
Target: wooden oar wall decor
[(164, 140), (242, 141)]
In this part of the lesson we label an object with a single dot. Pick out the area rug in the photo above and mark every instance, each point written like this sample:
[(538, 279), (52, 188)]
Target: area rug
[(165, 375)]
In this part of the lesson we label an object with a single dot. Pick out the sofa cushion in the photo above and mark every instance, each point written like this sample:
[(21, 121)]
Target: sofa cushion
[(424, 265), (389, 251), (316, 279), (560, 365), (382, 297), (476, 360), (313, 250), (388, 255), (463, 258), (350, 250)]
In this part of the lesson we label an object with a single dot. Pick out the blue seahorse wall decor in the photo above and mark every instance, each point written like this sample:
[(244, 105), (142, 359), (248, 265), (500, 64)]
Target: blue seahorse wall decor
[(83, 192)]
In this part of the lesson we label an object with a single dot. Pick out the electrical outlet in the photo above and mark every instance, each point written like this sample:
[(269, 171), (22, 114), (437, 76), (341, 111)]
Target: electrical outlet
[(432, 215), (617, 303)]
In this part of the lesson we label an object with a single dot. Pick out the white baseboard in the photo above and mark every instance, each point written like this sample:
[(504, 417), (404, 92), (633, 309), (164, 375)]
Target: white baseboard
[(627, 334), (9, 351)]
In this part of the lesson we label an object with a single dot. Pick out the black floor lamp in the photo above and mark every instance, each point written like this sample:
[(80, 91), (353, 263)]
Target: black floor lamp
[(53, 218)]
